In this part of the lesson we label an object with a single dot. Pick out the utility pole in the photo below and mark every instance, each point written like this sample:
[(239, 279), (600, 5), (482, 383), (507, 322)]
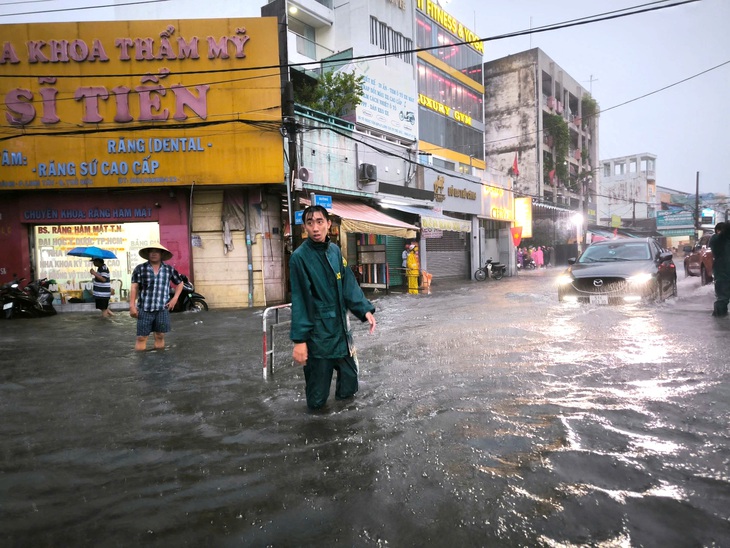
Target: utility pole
[(697, 207), (290, 125), (633, 215)]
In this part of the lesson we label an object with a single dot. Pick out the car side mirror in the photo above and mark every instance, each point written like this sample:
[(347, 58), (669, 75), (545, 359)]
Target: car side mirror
[(665, 256), (687, 249), (571, 260)]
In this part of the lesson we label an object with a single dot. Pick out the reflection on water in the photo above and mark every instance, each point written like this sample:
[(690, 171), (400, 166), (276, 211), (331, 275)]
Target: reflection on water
[(486, 417)]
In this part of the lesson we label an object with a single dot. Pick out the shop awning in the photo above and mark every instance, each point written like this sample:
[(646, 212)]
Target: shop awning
[(434, 220), (358, 217)]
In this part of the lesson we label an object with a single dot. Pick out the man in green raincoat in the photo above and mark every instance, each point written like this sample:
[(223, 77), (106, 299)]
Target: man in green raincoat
[(720, 246), (323, 290)]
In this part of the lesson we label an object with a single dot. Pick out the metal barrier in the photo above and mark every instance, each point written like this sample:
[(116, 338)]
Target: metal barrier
[(268, 347)]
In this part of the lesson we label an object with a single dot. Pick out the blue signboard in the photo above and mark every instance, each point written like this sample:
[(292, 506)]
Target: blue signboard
[(298, 217), (324, 201), (671, 219)]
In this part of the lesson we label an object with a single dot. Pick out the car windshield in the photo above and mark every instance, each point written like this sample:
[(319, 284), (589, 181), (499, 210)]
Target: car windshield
[(634, 251)]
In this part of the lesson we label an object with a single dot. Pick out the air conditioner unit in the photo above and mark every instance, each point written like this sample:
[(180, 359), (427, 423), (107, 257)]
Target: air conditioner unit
[(368, 172), (305, 175)]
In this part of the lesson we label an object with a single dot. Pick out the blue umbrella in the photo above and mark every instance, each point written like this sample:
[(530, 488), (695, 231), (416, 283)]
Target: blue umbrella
[(92, 252)]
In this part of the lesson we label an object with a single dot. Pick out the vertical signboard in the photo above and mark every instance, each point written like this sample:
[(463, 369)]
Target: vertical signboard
[(523, 215)]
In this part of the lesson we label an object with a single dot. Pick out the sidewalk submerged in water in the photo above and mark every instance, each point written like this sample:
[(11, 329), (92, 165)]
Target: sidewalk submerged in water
[(443, 284)]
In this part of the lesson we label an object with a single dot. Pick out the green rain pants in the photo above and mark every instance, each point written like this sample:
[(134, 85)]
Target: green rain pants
[(318, 377)]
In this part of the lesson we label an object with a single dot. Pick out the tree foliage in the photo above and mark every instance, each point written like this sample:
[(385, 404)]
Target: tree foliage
[(335, 93), (589, 107), (556, 126)]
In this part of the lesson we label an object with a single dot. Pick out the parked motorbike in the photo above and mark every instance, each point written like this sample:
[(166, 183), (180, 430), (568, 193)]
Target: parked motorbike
[(33, 301), (529, 264), (189, 300), (491, 269)]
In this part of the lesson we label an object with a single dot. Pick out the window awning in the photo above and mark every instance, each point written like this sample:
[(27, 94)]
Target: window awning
[(358, 217), (434, 220)]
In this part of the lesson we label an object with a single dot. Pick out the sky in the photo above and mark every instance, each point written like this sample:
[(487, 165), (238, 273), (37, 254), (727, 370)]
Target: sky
[(686, 126)]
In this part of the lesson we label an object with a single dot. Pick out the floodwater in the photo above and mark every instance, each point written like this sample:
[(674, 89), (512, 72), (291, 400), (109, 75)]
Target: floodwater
[(489, 414)]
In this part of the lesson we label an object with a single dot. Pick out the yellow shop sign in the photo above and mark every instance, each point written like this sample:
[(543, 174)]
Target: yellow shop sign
[(133, 103)]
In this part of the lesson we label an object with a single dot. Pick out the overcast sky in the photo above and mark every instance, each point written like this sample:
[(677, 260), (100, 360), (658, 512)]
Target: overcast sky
[(686, 126)]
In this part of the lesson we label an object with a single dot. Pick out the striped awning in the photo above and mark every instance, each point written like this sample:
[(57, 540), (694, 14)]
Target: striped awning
[(358, 217)]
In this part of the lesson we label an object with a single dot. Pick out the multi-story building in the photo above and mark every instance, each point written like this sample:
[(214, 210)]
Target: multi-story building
[(427, 110), (628, 191), (543, 121)]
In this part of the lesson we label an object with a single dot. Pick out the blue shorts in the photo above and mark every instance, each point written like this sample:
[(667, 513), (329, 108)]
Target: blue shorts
[(157, 321)]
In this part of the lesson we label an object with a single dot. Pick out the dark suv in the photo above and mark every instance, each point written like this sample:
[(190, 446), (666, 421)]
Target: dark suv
[(699, 261)]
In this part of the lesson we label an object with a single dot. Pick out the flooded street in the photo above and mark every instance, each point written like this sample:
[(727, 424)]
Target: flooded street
[(488, 414)]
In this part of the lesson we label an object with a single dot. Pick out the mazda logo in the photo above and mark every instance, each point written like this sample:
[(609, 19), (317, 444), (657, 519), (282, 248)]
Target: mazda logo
[(598, 283)]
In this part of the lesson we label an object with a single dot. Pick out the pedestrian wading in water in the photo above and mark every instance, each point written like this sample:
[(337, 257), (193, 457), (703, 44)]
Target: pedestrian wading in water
[(149, 296), (102, 288), (323, 290)]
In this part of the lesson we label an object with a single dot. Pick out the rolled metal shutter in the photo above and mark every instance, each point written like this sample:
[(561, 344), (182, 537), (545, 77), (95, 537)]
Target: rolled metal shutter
[(448, 256)]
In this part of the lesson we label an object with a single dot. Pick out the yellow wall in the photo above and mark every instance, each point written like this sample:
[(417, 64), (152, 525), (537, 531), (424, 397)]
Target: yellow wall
[(137, 103), (223, 277)]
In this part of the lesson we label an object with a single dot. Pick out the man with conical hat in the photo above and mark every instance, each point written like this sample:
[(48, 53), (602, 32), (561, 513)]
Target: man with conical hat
[(149, 297)]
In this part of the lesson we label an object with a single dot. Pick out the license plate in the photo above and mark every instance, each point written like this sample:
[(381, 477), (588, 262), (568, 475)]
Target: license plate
[(7, 305), (599, 299)]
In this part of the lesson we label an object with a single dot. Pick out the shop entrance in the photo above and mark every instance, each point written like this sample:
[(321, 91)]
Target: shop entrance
[(51, 243)]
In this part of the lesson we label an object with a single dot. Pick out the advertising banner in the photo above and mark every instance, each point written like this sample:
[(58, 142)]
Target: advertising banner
[(140, 103), (672, 219), (389, 99)]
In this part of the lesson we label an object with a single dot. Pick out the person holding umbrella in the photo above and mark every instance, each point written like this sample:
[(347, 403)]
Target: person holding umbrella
[(102, 289), (149, 296)]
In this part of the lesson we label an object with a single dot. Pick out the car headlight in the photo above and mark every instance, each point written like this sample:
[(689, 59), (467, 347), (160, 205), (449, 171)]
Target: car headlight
[(565, 279), (640, 278)]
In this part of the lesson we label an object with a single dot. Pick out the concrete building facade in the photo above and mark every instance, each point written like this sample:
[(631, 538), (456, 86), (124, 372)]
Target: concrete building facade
[(540, 120), (628, 190)]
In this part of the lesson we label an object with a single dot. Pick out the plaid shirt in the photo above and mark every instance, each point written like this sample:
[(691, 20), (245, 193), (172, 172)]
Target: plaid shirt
[(154, 291)]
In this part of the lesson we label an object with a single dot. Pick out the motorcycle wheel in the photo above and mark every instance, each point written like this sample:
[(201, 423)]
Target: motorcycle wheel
[(497, 274), (196, 305), (480, 275)]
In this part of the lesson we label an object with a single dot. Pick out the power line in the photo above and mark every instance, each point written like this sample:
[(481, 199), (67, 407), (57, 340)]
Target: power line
[(557, 26), (80, 7)]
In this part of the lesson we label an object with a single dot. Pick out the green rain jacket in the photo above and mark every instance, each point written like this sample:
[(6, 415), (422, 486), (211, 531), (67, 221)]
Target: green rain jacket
[(323, 289), (720, 246)]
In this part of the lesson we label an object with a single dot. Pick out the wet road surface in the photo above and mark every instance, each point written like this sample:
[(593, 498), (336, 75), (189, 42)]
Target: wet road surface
[(489, 414)]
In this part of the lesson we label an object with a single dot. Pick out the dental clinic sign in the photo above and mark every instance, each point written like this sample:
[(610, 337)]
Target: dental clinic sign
[(124, 104)]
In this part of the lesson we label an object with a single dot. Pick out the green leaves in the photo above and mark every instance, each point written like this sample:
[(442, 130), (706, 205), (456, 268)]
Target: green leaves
[(335, 93)]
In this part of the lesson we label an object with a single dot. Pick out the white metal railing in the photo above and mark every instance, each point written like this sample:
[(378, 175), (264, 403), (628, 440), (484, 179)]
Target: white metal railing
[(268, 341)]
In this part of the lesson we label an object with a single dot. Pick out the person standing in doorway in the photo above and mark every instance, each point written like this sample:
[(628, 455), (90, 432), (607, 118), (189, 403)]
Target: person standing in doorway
[(404, 260), (102, 288), (323, 290), (149, 296), (720, 247), (413, 268)]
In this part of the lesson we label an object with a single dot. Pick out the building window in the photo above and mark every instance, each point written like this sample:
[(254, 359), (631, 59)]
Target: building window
[(444, 164), (449, 134), (606, 170), (462, 58), (438, 85), (390, 41), (306, 44)]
